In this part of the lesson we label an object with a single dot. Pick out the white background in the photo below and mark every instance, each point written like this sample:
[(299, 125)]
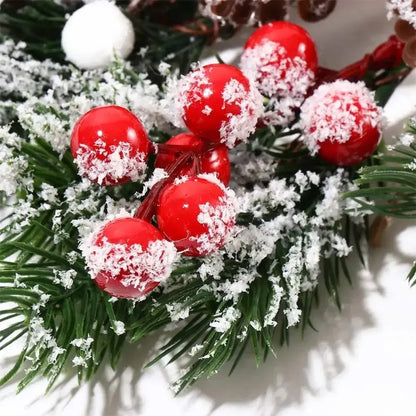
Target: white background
[(361, 362)]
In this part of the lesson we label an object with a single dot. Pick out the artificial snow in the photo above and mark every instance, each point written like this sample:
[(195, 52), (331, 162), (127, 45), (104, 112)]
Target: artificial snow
[(57, 100), (331, 113), (107, 166), (283, 80), (404, 9), (136, 265), (65, 278), (236, 127), (119, 327), (223, 322), (177, 311)]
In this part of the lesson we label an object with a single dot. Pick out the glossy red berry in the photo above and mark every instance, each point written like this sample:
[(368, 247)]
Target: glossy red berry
[(213, 160), (342, 122), (110, 145), (282, 59), (219, 104), (128, 257), (197, 215)]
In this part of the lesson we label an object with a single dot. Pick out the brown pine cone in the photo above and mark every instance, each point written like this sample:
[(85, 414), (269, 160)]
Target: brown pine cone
[(406, 32), (258, 12), (315, 10)]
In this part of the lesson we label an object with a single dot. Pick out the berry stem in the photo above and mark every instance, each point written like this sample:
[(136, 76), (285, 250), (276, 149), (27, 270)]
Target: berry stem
[(387, 55), (176, 148), (165, 148), (147, 209)]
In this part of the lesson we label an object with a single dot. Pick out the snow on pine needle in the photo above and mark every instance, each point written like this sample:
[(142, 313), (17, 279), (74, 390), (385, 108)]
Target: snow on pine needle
[(265, 275)]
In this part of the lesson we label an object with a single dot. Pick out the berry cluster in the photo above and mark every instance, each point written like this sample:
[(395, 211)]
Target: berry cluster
[(190, 210)]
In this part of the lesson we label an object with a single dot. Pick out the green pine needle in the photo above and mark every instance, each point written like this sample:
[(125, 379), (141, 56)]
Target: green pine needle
[(79, 324)]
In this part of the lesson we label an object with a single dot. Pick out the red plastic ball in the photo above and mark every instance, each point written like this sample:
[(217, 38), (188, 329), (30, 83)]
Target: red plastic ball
[(295, 40), (196, 215), (355, 150), (218, 104), (282, 59), (129, 257), (215, 160), (110, 145), (342, 122)]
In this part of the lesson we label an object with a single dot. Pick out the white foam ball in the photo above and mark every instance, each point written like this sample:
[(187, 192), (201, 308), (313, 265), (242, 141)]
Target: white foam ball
[(95, 33)]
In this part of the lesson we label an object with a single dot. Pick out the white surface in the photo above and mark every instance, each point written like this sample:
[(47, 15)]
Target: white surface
[(361, 362)]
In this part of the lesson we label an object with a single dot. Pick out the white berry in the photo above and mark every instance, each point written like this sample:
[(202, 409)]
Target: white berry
[(96, 33)]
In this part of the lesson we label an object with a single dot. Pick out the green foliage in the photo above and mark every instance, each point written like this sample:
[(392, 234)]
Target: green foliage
[(83, 311), (57, 320), (39, 24), (391, 183), (389, 187)]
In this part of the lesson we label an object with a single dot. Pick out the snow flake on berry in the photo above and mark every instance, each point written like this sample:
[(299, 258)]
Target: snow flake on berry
[(127, 257), (136, 265), (107, 167), (336, 111), (229, 102), (239, 126), (217, 220), (284, 80)]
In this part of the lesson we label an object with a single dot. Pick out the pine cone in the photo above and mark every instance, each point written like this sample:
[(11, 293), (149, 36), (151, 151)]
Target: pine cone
[(406, 32), (258, 12), (315, 10)]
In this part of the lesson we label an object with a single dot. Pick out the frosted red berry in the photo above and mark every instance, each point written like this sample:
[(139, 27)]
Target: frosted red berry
[(214, 159), (342, 122), (219, 104), (128, 257), (110, 145), (197, 215), (283, 60)]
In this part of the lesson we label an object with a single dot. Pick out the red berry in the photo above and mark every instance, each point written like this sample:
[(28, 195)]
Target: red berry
[(128, 257), (110, 145), (342, 122), (215, 160), (196, 215), (281, 57), (218, 104)]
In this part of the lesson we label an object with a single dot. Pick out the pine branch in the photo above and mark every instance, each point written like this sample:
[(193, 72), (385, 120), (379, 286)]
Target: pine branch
[(67, 320), (39, 260), (390, 185)]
